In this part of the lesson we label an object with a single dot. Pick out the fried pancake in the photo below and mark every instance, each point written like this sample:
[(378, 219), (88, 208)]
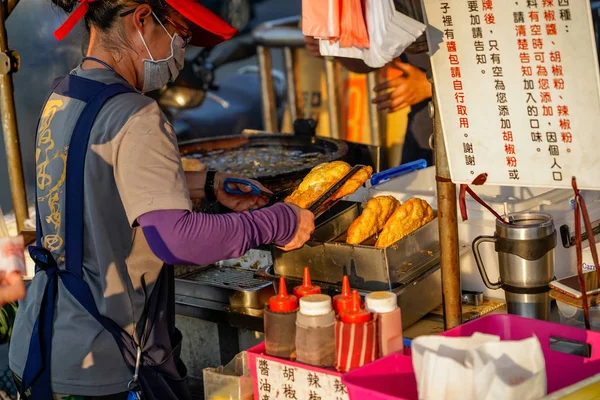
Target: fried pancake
[(409, 217), (192, 164), (323, 177), (354, 183), (372, 219)]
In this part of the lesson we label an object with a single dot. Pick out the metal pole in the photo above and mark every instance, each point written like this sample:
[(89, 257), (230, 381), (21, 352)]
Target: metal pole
[(448, 226), (375, 121), (9, 125), (267, 89), (333, 98), (290, 75)]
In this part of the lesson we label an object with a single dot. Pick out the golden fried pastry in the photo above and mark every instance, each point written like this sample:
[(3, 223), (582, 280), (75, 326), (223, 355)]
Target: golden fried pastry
[(192, 164), (409, 217), (354, 183), (372, 219), (322, 177)]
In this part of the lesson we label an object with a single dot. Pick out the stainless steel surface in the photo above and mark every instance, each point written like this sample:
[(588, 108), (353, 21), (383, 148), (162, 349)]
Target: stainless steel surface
[(529, 305), (472, 298), (369, 268), (235, 287), (333, 98), (9, 125), (524, 280), (267, 89), (448, 227)]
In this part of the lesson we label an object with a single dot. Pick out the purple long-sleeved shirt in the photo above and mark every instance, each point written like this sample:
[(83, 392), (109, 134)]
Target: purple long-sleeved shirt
[(183, 237)]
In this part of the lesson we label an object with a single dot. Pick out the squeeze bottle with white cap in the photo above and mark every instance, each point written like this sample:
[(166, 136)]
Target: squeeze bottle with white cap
[(389, 321), (315, 331)]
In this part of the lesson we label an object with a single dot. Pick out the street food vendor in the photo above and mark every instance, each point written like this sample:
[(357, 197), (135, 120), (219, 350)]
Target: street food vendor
[(113, 207)]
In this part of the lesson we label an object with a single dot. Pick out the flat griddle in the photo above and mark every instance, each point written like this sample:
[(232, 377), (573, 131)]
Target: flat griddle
[(276, 177)]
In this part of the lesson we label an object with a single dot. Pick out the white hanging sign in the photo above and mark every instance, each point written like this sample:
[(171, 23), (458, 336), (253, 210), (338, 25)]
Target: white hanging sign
[(518, 89)]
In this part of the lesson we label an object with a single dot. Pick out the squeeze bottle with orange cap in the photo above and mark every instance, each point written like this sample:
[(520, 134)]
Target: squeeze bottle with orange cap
[(343, 301), (356, 314), (307, 288), (355, 337), (280, 324), (389, 321)]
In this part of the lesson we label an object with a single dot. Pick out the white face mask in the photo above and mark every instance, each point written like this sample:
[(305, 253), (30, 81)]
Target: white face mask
[(157, 73)]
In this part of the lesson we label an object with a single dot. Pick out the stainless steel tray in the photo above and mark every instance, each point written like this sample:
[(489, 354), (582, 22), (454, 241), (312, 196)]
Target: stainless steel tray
[(236, 287), (369, 268)]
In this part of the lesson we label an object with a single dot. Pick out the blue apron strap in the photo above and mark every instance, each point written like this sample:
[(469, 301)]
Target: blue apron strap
[(74, 192), (36, 376)]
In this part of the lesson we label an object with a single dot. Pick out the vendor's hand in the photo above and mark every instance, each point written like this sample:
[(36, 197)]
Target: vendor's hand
[(12, 287), (306, 227), (312, 46), (411, 88), (236, 202)]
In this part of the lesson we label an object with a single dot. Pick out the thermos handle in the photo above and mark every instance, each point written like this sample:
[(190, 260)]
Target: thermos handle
[(479, 261)]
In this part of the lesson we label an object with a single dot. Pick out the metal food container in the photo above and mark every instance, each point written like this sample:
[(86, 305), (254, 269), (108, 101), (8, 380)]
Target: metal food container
[(369, 268), (409, 268)]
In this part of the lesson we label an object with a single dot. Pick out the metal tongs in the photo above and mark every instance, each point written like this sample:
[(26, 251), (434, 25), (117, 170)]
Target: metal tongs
[(325, 202)]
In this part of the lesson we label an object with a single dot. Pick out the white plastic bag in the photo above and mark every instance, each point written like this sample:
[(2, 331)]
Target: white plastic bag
[(480, 367), (390, 33)]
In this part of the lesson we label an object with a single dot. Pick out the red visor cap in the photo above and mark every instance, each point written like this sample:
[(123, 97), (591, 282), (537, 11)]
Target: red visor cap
[(207, 29)]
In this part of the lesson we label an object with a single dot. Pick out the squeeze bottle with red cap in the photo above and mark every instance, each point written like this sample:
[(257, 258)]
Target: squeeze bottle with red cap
[(389, 321), (343, 301), (355, 337), (306, 289), (280, 324), (356, 314)]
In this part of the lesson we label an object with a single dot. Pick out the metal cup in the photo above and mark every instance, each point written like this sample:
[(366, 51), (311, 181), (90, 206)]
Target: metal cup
[(525, 250)]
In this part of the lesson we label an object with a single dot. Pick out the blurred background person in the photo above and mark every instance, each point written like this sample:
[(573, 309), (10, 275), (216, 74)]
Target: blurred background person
[(410, 89)]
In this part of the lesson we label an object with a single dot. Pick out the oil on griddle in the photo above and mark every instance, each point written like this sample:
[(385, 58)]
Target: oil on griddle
[(260, 161)]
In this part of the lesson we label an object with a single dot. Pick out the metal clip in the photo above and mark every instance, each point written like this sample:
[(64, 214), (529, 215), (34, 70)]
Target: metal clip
[(138, 360), (10, 62)]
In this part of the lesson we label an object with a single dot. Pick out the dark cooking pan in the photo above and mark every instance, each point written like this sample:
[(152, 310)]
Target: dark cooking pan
[(278, 161)]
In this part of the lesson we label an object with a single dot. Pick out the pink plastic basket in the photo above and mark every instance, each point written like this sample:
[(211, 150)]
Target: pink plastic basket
[(393, 377)]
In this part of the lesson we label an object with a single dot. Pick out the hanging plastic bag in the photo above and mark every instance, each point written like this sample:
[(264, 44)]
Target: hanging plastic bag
[(353, 28), (321, 18)]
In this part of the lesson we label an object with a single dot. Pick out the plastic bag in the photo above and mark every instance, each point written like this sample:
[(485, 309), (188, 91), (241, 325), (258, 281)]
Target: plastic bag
[(479, 367), (389, 32), (353, 29), (321, 18)]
